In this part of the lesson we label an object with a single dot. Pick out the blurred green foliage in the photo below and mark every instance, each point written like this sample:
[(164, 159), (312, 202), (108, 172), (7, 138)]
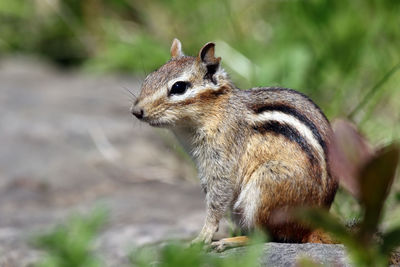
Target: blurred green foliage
[(71, 244), (364, 245), (179, 254), (333, 50)]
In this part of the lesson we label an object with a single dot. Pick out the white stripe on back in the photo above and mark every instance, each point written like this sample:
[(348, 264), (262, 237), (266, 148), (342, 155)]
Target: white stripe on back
[(302, 128)]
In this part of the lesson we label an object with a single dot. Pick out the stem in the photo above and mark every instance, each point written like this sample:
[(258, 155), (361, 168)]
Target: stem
[(373, 90)]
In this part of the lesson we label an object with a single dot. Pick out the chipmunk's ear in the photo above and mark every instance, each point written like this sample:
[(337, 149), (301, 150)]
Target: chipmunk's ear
[(176, 49), (206, 54), (207, 57)]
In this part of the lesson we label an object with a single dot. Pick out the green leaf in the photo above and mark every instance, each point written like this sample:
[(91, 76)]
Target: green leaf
[(70, 244), (375, 182), (398, 196), (391, 240)]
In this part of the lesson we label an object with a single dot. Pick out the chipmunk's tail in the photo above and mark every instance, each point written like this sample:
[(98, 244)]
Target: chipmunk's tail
[(319, 236)]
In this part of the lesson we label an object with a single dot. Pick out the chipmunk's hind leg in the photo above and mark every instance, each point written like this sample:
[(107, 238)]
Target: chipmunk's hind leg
[(283, 189), (246, 207), (230, 242), (268, 196)]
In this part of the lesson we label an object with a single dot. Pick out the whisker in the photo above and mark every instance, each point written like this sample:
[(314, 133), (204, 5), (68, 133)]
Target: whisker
[(141, 61), (131, 96), (130, 92)]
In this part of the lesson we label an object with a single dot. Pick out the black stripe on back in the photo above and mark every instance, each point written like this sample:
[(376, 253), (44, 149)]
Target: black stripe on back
[(300, 94), (294, 112), (290, 133)]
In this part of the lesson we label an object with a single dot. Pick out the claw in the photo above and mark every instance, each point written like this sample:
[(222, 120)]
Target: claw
[(231, 242)]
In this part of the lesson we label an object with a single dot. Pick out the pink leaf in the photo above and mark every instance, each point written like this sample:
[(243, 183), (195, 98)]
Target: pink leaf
[(349, 151)]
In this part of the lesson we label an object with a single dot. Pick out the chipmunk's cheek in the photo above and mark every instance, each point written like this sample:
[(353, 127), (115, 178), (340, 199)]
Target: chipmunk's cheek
[(160, 117), (170, 116)]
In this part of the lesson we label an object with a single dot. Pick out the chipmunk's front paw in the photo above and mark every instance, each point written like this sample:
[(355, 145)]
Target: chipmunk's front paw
[(218, 246), (200, 241), (230, 242), (203, 239), (205, 236)]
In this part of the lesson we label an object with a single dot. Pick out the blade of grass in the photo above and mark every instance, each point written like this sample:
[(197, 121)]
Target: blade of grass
[(372, 91)]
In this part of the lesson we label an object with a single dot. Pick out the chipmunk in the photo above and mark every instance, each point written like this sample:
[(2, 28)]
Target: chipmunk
[(258, 151)]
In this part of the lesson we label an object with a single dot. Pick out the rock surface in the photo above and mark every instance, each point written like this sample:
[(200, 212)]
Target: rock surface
[(282, 255)]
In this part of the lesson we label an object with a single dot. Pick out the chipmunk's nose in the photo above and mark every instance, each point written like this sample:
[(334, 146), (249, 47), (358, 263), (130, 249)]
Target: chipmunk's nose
[(138, 112)]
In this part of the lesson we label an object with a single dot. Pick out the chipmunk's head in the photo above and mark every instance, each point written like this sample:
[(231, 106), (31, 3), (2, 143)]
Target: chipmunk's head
[(183, 89)]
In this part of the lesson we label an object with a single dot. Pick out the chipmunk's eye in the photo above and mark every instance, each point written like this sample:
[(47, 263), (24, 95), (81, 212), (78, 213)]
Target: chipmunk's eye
[(179, 88)]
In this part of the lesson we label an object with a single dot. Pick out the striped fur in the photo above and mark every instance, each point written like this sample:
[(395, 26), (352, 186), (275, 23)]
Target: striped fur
[(290, 132), (297, 114), (258, 152), (294, 130)]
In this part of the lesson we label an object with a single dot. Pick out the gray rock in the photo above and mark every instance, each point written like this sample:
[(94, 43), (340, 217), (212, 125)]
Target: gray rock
[(285, 255)]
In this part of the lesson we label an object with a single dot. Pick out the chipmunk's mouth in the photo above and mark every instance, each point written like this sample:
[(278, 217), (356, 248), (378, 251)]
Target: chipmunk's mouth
[(153, 122), (157, 123)]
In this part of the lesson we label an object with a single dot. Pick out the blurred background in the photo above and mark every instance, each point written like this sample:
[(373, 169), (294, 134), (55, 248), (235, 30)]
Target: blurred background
[(65, 123), (334, 51)]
